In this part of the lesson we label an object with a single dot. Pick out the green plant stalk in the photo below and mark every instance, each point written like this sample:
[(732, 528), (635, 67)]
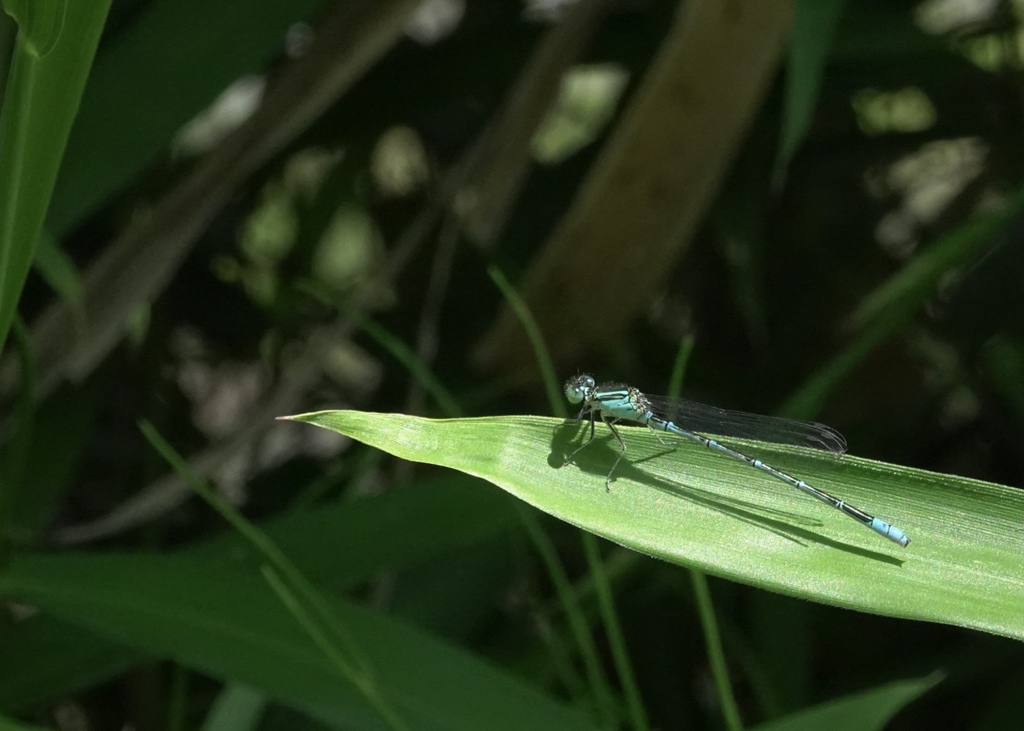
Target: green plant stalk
[(552, 384), (675, 381), (407, 358), (14, 455), (560, 658), (762, 687), (617, 643), (595, 565), (902, 295), (447, 403), (246, 529), (599, 688), (716, 656), (577, 623), (616, 566), (315, 628), (699, 582), (891, 306), (355, 667)]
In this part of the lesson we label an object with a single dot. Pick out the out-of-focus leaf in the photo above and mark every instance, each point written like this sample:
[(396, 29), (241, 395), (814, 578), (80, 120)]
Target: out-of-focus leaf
[(870, 709), (814, 26), (158, 74), (228, 623), (892, 305), (57, 268), (40, 104), (237, 708), (40, 22), (7, 724), (349, 542), (46, 658), (339, 545)]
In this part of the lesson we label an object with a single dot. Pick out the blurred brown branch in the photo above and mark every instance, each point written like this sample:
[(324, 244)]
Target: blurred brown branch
[(136, 266), (645, 196)]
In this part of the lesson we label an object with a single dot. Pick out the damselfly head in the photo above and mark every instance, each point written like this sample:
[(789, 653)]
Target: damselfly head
[(579, 388)]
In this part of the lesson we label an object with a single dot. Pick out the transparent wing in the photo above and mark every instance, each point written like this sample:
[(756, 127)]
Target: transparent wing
[(702, 418)]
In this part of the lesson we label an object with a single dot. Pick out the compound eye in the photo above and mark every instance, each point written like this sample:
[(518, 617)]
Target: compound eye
[(589, 382)]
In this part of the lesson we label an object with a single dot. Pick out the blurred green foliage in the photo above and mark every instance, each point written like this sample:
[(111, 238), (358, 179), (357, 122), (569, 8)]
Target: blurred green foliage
[(277, 207)]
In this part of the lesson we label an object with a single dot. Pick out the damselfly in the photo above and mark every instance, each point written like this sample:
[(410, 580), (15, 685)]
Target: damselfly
[(615, 402)]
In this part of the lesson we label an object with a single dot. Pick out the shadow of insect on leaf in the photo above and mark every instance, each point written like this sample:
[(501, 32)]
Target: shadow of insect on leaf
[(599, 457)]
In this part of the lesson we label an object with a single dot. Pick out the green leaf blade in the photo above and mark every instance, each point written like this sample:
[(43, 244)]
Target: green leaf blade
[(697, 509), (41, 22), (868, 709), (227, 623), (40, 103), (813, 31)]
